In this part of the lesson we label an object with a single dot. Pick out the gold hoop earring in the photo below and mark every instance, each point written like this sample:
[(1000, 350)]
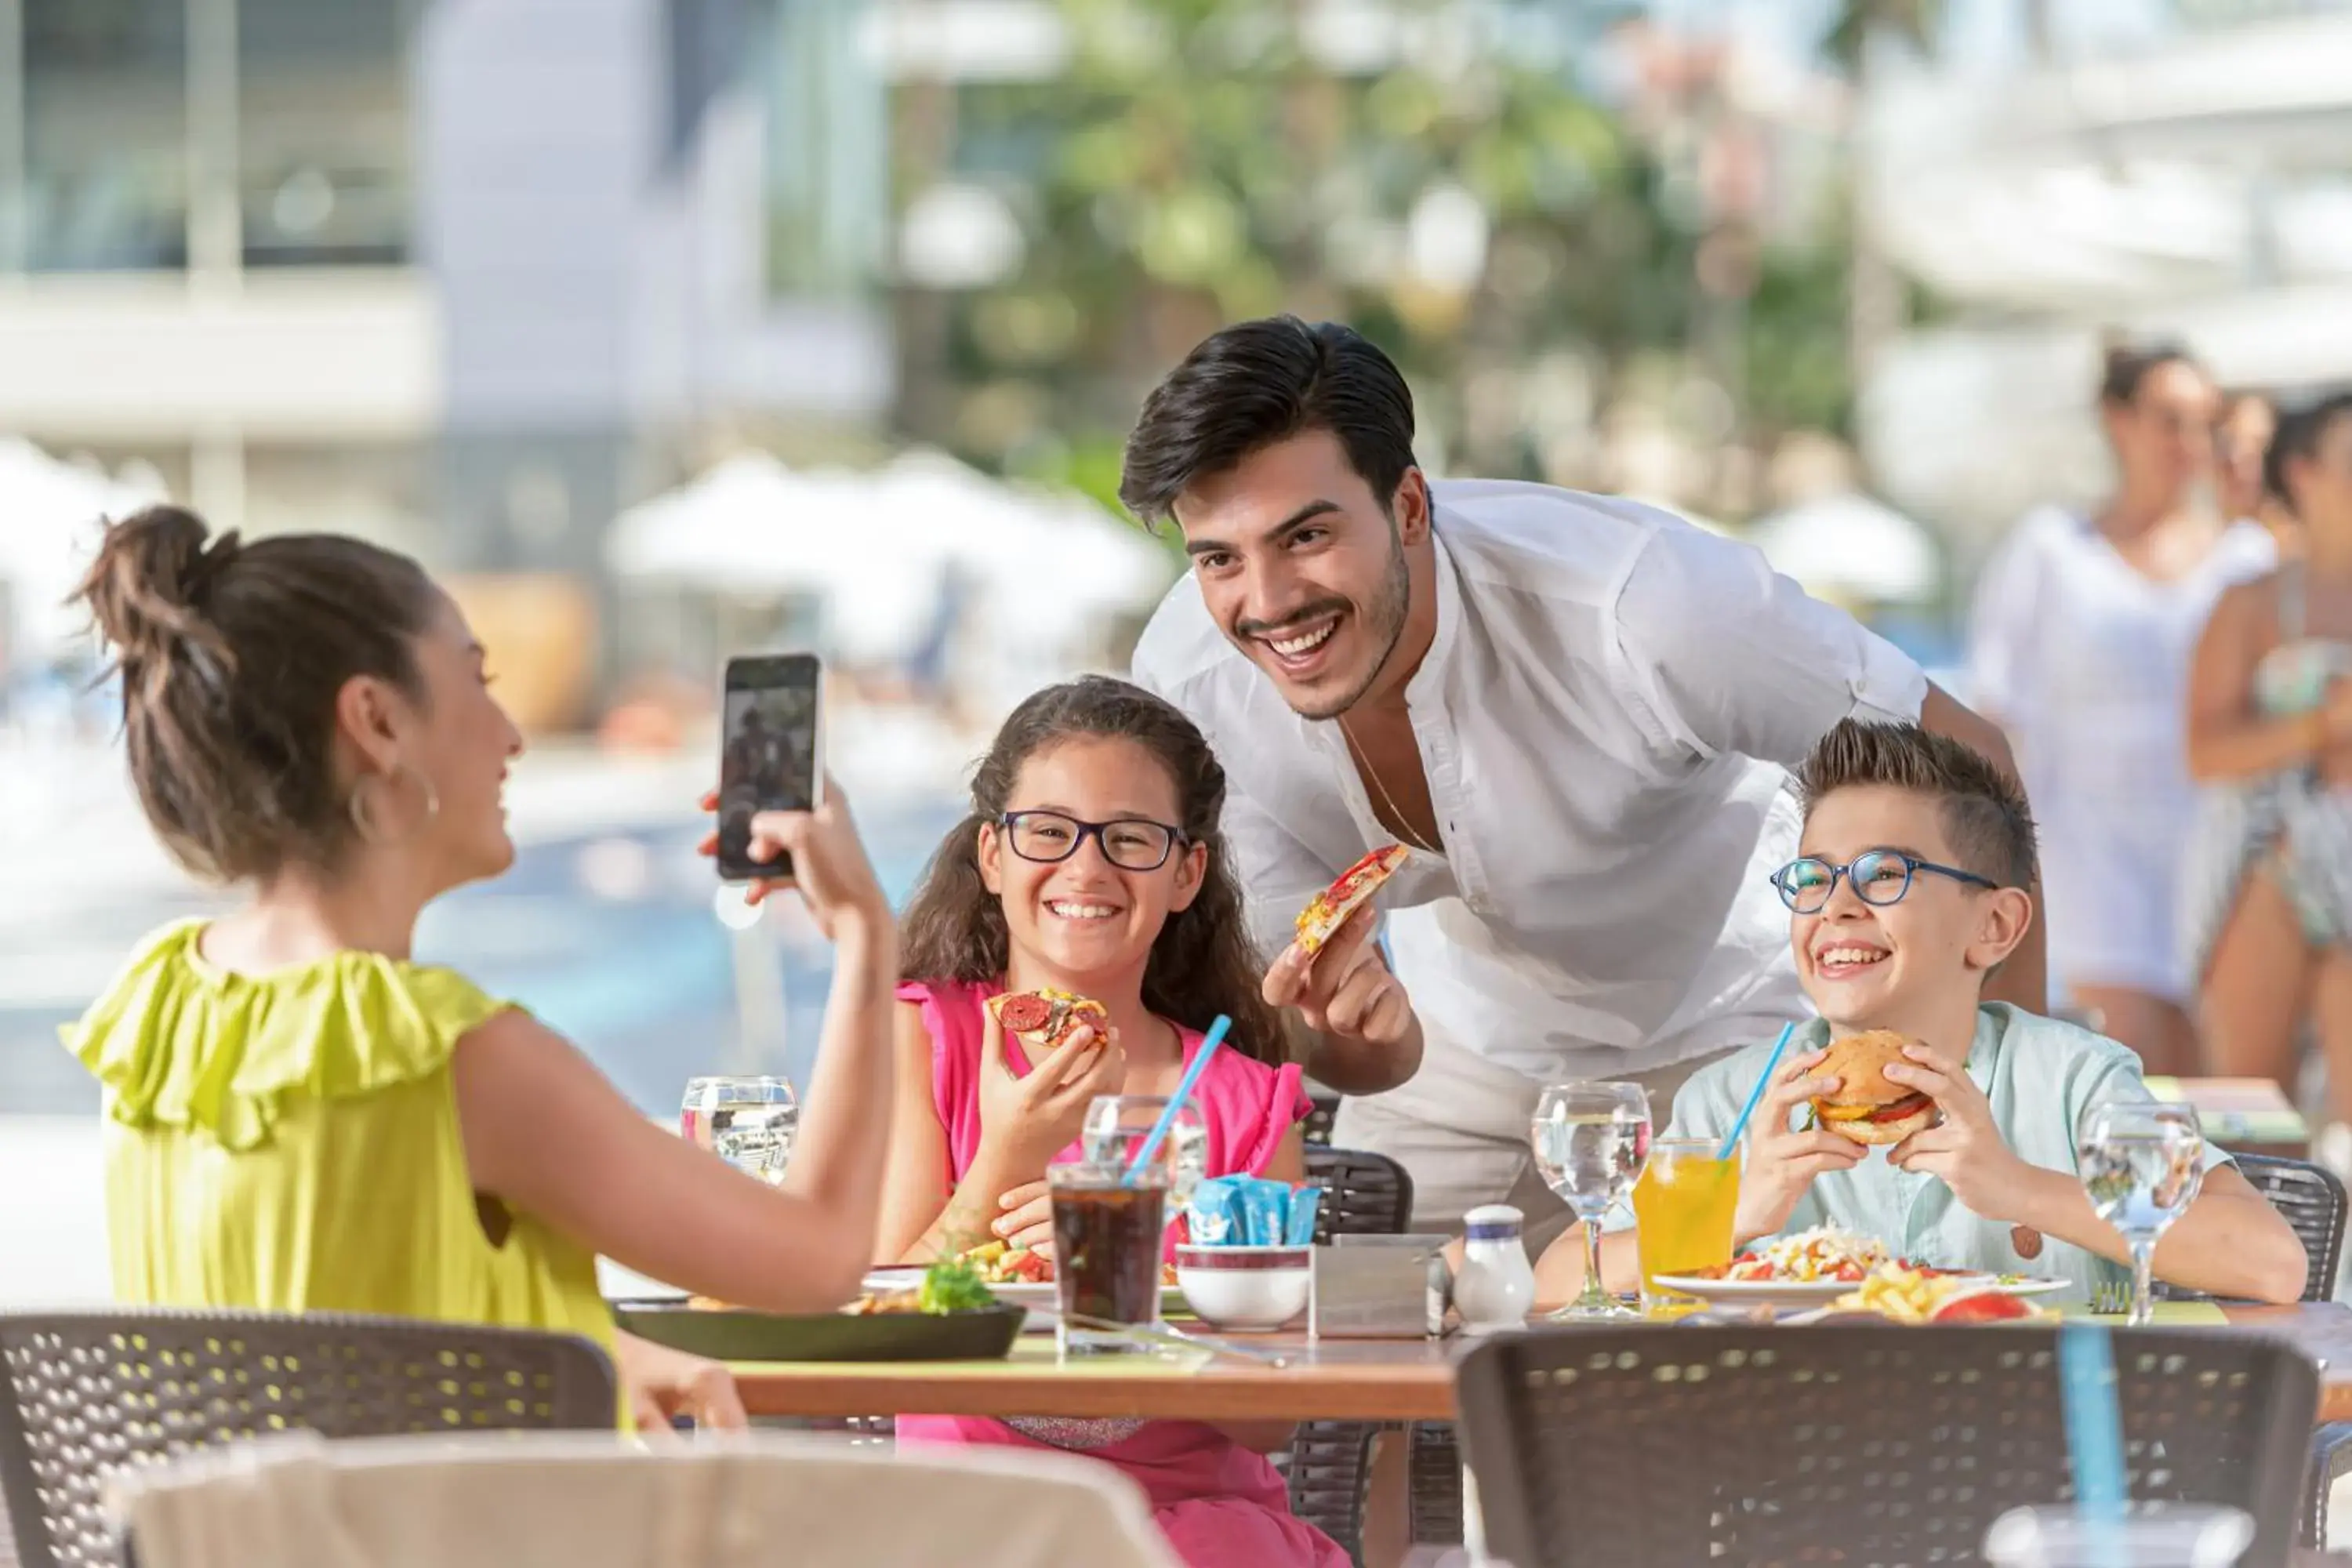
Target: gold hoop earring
[(363, 817)]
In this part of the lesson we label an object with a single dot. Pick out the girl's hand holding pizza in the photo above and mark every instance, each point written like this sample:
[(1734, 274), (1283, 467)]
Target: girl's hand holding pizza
[(1028, 1120)]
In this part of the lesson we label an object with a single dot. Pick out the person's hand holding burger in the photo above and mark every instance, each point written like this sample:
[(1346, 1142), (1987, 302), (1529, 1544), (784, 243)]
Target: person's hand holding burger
[(1782, 1162), (1965, 1150)]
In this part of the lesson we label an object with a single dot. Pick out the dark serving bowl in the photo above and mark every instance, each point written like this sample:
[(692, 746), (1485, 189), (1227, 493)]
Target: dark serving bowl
[(725, 1335)]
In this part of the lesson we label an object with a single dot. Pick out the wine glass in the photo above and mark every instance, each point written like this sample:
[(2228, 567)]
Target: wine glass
[(2142, 1164), (747, 1121), (1590, 1143), (1117, 1125)]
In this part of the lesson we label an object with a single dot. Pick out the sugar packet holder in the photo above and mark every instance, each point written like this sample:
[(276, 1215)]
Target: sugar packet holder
[(1251, 1211)]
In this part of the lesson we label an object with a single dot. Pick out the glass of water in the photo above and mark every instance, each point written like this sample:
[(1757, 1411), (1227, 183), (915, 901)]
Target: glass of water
[(1590, 1143), (2142, 1165), (1117, 1125), (747, 1121), (2147, 1535)]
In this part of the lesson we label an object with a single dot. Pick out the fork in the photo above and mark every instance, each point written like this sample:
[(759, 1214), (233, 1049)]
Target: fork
[(2110, 1299)]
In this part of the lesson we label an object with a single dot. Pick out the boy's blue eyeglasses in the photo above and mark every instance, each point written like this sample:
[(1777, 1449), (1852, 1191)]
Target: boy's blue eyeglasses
[(1880, 876)]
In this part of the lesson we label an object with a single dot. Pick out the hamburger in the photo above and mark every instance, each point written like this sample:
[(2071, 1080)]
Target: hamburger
[(1867, 1105)]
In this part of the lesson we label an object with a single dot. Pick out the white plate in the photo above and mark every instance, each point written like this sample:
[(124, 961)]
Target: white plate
[(1820, 1292), (1757, 1292)]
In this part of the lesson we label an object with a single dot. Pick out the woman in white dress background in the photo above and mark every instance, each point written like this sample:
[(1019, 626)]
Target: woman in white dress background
[(2080, 649)]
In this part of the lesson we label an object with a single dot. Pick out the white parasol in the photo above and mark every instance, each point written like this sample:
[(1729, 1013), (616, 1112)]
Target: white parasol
[(1849, 546)]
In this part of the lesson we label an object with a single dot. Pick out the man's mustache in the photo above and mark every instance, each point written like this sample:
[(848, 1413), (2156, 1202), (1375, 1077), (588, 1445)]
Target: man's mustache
[(1314, 612)]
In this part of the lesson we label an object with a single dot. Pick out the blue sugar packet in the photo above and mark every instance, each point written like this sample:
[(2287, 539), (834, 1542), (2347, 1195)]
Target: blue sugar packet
[(1266, 1211), (1216, 1212), (1306, 1204)]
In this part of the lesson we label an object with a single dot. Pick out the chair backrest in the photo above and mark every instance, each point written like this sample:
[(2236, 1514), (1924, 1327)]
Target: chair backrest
[(1363, 1194), (1329, 1462), (750, 1502), (2312, 1201), (1684, 1444), (84, 1395)]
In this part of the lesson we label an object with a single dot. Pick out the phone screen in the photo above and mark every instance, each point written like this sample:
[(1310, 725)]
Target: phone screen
[(768, 753)]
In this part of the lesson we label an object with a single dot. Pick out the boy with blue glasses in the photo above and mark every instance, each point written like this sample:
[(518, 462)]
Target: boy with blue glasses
[(1911, 890)]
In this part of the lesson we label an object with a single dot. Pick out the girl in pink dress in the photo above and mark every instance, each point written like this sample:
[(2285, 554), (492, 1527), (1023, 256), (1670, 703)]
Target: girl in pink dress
[(1091, 862)]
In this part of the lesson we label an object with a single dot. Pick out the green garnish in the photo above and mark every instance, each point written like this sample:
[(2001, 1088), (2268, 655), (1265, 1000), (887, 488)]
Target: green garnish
[(952, 1285)]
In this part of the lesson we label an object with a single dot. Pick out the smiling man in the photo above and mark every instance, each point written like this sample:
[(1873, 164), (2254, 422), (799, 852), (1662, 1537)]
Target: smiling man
[(1578, 714)]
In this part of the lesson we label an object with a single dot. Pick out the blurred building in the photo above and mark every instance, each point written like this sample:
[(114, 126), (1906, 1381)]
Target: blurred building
[(2171, 171), (468, 276)]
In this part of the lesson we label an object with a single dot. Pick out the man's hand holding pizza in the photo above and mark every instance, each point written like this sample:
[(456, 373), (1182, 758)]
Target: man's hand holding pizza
[(1346, 993)]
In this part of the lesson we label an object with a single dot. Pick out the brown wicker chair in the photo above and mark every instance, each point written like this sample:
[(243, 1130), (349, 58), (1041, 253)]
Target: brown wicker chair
[(1363, 1194), (84, 1395), (2313, 1202), (1329, 1462), (1666, 1444)]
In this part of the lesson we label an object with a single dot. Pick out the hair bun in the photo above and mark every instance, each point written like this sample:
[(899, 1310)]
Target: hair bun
[(146, 590)]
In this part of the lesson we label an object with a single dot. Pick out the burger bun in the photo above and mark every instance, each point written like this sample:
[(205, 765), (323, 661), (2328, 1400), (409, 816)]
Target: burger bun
[(1859, 1063)]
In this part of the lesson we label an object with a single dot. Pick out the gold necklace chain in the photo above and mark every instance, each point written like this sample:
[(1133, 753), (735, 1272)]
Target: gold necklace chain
[(1404, 823)]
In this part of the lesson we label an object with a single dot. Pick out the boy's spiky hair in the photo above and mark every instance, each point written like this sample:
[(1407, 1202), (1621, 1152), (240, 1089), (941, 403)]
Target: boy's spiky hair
[(1984, 812)]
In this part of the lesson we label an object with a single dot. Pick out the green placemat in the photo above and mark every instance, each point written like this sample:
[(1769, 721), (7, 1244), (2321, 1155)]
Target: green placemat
[(1032, 1353), (2168, 1315)]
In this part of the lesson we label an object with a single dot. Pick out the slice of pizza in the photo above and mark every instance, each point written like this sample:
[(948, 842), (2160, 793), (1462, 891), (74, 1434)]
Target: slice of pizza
[(1327, 910), (1043, 1019)]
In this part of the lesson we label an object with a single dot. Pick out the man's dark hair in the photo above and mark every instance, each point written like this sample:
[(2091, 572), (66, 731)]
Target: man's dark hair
[(2298, 436), (1984, 812), (1257, 383)]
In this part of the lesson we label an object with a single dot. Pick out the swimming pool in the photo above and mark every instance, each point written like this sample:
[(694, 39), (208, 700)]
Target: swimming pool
[(608, 935)]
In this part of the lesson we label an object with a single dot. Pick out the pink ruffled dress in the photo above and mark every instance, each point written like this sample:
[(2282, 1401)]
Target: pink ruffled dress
[(1218, 1502)]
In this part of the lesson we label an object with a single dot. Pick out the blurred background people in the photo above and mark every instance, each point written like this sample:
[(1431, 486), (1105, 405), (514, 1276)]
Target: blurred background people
[(2267, 898), (2082, 630), (2242, 439)]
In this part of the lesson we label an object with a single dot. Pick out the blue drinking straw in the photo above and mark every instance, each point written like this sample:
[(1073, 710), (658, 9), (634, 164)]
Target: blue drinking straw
[(1159, 1133), (2094, 1434), (1731, 1144)]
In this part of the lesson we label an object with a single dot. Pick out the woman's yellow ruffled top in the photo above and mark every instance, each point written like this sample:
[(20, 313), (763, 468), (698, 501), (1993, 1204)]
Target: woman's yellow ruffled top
[(290, 1142)]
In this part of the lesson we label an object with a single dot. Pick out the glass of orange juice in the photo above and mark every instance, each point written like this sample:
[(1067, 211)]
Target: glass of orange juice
[(1683, 1211)]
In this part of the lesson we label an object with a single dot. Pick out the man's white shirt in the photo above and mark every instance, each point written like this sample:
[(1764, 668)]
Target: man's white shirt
[(1606, 718)]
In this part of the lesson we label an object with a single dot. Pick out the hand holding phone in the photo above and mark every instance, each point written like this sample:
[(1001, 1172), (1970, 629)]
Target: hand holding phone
[(769, 739), (831, 871)]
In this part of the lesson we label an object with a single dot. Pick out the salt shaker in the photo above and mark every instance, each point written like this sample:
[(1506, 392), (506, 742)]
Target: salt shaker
[(1496, 1284)]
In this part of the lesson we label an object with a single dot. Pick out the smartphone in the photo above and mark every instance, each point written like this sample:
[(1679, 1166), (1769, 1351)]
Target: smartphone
[(770, 723)]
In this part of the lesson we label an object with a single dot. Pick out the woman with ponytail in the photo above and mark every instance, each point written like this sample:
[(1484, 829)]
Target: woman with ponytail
[(299, 1116)]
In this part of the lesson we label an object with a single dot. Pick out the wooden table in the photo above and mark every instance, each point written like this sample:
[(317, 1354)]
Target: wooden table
[(1337, 1380)]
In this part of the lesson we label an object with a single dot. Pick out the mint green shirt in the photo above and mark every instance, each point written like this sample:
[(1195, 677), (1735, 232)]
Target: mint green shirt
[(2042, 1078)]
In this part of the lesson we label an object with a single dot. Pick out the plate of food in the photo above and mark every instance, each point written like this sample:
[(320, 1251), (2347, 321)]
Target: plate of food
[(942, 1313), (1817, 1268), (1901, 1294), (1014, 1275)]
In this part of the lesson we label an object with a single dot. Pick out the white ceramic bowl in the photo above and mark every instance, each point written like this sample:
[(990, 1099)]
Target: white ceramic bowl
[(1245, 1287)]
